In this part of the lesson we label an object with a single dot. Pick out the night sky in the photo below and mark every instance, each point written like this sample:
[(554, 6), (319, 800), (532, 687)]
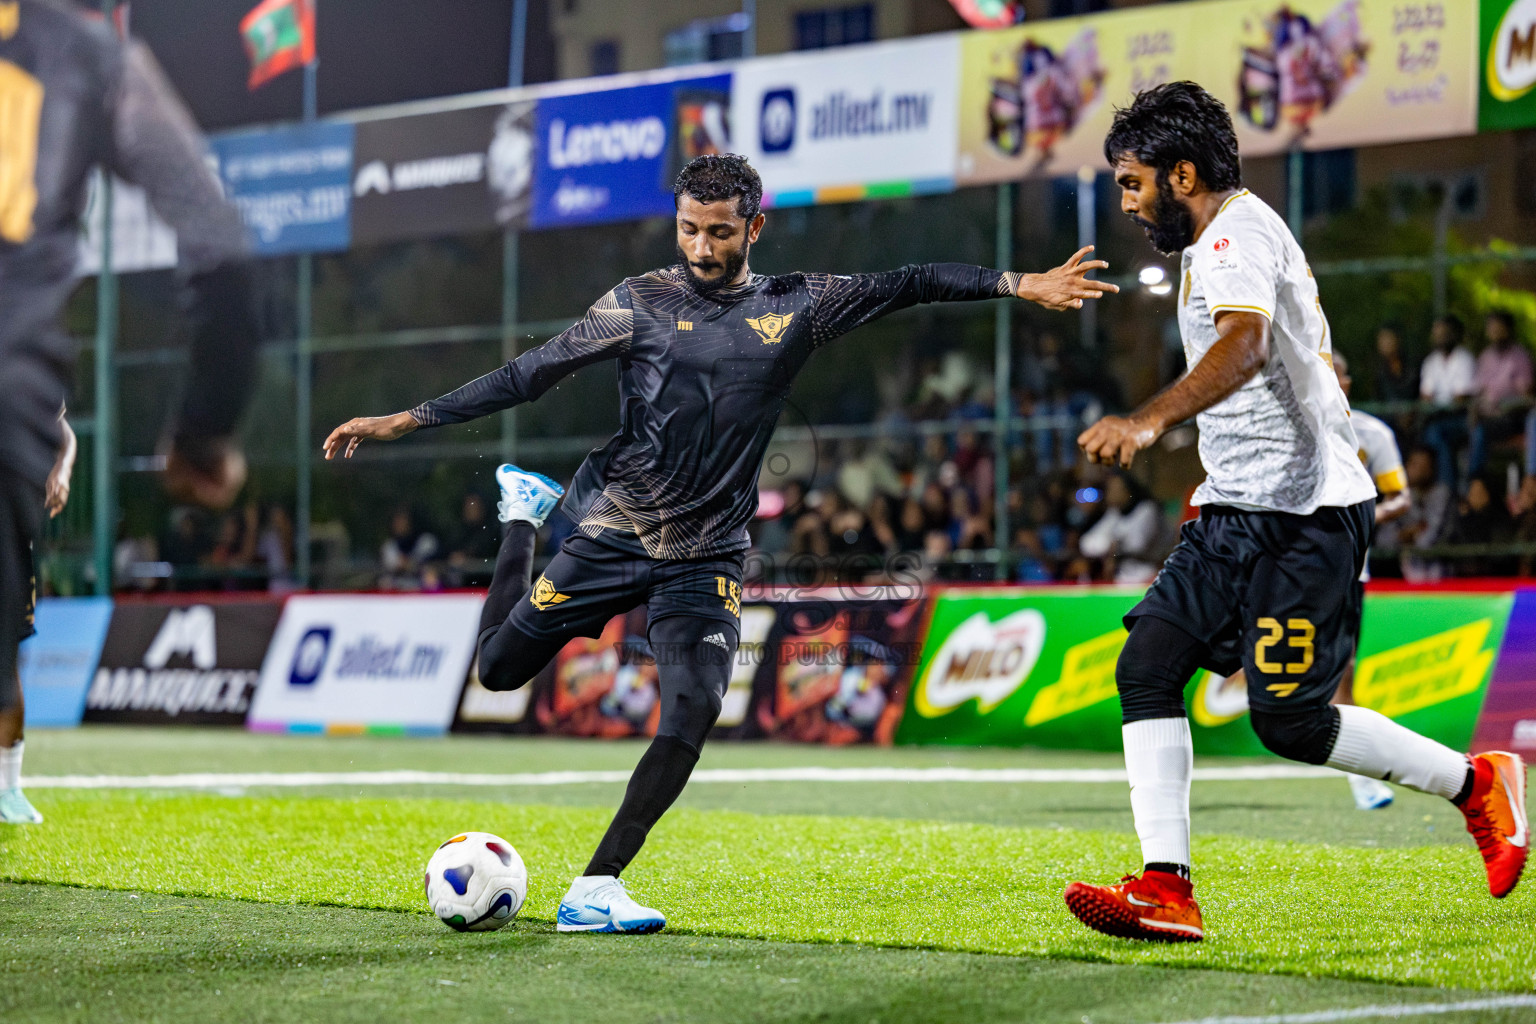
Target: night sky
[(371, 52)]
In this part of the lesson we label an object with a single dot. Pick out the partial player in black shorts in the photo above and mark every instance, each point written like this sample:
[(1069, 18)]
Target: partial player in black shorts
[(1272, 593)]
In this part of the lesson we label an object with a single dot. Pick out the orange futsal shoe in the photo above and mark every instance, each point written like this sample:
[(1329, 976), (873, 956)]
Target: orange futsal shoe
[(1495, 814), (1157, 907)]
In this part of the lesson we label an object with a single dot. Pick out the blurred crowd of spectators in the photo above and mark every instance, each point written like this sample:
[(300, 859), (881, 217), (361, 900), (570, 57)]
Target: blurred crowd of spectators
[(1465, 423), (919, 496)]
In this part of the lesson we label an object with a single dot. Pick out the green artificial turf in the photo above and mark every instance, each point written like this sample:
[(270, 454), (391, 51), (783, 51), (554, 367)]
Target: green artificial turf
[(1305, 810), (70, 955), (1420, 916)]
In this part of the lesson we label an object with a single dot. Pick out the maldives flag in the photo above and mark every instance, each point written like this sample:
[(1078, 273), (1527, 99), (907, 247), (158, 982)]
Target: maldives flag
[(279, 36)]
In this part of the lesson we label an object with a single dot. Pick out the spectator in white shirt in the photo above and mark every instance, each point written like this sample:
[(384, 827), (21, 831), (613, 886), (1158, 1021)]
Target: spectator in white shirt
[(1447, 380), (1130, 532)]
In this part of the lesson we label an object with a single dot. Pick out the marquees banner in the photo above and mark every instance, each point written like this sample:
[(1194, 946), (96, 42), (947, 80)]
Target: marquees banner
[(190, 661), (1012, 667), (1320, 74), (366, 663)]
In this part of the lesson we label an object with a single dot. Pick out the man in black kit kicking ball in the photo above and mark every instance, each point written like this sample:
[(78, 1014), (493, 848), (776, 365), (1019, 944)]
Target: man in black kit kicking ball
[(707, 351)]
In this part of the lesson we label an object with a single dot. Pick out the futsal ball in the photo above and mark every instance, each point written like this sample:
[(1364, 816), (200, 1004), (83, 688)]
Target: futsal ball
[(476, 882)]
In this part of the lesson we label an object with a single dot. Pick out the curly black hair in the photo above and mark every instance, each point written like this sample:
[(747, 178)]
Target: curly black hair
[(710, 179), (1174, 122)]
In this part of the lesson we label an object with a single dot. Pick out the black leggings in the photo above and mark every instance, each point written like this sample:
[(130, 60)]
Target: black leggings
[(1158, 661)]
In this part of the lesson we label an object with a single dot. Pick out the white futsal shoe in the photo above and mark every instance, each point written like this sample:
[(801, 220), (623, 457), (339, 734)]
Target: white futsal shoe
[(525, 496), (600, 903), (1370, 794)]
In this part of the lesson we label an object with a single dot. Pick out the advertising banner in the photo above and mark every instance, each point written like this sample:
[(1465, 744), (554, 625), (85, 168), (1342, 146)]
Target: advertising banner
[(366, 663), (816, 666), (189, 664), (56, 664), (1507, 68), (1037, 667), (1321, 74), (833, 667), (1508, 719), (613, 155), (443, 173), (140, 239), (858, 122), (293, 186)]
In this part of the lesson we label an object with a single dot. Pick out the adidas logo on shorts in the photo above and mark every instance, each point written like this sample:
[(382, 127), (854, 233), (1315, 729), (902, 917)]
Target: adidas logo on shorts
[(718, 639)]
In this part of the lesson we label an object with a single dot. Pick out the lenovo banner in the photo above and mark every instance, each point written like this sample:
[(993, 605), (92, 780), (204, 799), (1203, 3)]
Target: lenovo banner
[(367, 663), (446, 173), (606, 156), (181, 663)]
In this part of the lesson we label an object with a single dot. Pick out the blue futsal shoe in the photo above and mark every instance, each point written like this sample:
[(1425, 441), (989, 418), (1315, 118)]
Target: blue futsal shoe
[(600, 903), (526, 496)]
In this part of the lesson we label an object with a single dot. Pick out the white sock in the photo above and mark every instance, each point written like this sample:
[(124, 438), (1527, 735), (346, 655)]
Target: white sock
[(1372, 744), (10, 766), (1159, 757)]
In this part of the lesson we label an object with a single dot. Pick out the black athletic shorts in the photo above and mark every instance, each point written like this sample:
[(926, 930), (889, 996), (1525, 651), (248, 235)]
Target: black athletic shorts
[(21, 514), (1275, 594), (587, 583)]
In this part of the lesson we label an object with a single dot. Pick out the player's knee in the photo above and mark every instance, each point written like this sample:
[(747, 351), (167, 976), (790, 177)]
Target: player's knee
[(1152, 671), (505, 665), (689, 713), (1305, 735)]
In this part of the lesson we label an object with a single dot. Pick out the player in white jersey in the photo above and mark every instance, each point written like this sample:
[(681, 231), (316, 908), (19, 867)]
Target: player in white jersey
[(1384, 462), (1265, 578)]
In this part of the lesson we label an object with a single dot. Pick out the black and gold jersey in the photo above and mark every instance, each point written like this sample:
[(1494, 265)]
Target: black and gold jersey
[(702, 380)]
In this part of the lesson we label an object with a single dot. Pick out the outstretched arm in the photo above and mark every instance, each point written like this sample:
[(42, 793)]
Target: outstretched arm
[(844, 302), (155, 144), (1240, 352), (603, 333)]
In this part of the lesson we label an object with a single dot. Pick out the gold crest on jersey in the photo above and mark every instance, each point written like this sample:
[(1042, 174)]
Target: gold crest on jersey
[(544, 594), (770, 327), (10, 19)]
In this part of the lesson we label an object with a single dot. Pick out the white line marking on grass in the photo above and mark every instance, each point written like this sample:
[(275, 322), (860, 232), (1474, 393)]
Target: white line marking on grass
[(223, 780), (1393, 1011)]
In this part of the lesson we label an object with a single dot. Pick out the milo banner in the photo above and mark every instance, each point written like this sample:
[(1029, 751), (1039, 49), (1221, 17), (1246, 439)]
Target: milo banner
[(1321, 74), (1015, 667), (1507, 70)]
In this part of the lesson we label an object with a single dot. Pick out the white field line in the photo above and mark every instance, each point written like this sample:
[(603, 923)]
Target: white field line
[(1390, 1011), (732, 776)]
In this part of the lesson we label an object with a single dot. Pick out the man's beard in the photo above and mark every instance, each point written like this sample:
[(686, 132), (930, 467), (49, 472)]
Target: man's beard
[(708, 286), (1174, 228)]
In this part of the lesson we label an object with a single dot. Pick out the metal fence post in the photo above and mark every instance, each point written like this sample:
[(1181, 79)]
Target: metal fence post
[(104, 440), (1002, 374)]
